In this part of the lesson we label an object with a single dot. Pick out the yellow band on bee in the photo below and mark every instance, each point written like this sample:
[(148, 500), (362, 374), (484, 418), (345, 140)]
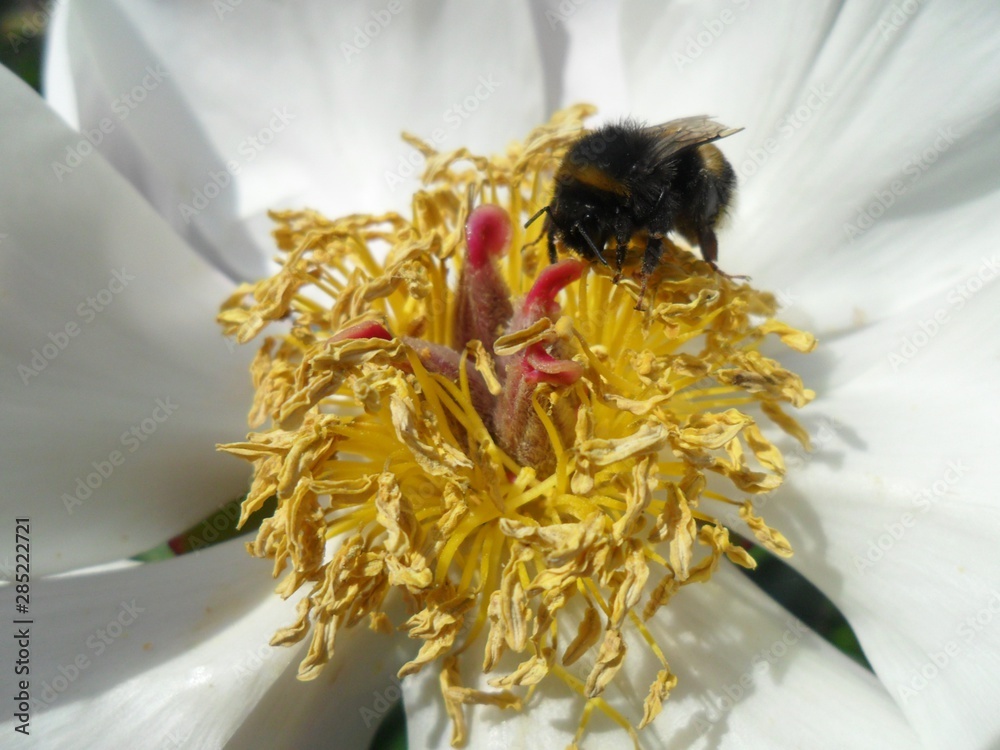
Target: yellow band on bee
[(593, 177)]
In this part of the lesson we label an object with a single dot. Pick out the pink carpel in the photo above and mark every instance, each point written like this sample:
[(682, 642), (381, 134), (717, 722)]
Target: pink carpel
[(487, 233), (483, 306), (541, 298)]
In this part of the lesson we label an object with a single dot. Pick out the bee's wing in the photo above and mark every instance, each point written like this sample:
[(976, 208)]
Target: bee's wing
[(677, 135)]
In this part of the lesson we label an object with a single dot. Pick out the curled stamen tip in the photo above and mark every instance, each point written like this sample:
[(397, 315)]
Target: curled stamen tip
[(553, 280), (369, 329), (487, 233)]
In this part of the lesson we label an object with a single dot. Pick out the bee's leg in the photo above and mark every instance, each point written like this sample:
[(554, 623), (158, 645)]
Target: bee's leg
[(552, 247), (709, 245), (619, 259), (710, 252), (543, 210), (650, 262), (590, 242), (622, 234)]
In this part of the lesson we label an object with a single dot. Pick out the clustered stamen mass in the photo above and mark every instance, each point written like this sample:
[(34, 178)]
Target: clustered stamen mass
[(507, 444)]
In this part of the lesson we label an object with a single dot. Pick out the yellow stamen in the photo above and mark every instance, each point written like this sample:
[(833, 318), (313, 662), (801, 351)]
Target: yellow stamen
[(374, 428)]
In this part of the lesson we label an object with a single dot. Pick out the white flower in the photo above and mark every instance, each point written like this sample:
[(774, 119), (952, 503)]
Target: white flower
[(869, 201)]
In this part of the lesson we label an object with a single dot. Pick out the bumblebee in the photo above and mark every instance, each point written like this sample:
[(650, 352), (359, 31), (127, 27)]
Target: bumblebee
[(626, 178)]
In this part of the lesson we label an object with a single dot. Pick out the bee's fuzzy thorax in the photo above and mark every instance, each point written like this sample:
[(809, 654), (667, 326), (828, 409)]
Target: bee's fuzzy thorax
[(624, 178)]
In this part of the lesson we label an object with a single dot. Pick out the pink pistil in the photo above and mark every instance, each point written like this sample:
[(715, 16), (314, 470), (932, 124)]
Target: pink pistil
[(541, 298), (482, 305), (487, 233)]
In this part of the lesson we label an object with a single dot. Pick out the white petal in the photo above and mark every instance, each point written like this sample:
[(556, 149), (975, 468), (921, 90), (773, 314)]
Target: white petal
[(305, 101), (589, 77), (844, 104), (750, 676), (57, 73), (896, 517), (170, 654), (740, 61), (117, 382), (343, 707), (938, 259)]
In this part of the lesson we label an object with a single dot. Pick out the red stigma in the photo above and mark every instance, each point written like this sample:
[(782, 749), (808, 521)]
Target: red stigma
[(487, 233), (542, 295)]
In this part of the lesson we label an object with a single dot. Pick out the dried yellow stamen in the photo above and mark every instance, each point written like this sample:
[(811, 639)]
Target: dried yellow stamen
[(492, 462)]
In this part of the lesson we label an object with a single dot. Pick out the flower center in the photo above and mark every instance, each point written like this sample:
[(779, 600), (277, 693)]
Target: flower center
[(509, 444)]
